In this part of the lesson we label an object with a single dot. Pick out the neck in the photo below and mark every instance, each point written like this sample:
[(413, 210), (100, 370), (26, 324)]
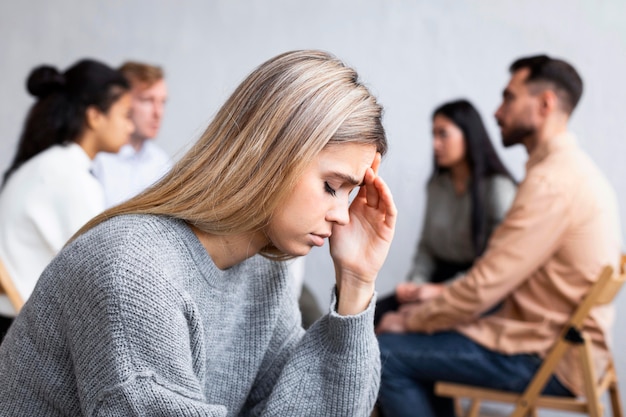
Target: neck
[(88, 143), (460, 173), (553, 127), (227, 251), (137, 142)]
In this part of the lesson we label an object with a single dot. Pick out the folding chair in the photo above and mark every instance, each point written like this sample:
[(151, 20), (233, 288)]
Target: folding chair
[(7, 287), (526, 404)]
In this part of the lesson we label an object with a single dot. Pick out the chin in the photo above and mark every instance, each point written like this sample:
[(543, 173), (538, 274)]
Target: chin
[(297, 251), (300, 252)]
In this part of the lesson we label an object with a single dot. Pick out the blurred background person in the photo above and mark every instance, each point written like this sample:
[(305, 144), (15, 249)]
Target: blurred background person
[(140, 163), (48, 192), (468, 195)]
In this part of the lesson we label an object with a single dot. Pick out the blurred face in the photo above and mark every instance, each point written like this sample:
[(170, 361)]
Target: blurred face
[(518, 115), (448, 142), (147, 109), (320, 199), (114, 127)]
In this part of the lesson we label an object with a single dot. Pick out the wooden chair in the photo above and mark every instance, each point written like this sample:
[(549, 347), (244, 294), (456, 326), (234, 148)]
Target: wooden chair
[(526, 404), (8, 288)]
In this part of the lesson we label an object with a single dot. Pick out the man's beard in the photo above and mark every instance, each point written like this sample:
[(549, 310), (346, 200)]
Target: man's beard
[(517, 135)]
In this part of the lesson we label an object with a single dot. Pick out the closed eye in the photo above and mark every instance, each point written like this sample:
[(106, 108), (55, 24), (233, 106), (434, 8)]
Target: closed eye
[(330, 190)]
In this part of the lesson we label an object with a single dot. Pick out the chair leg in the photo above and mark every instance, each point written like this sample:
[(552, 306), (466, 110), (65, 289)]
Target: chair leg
[(616, 402), (589, 375), (474, 408), (458, 410)]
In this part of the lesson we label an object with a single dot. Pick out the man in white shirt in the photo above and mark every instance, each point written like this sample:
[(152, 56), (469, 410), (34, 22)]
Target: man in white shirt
[(140, 163)]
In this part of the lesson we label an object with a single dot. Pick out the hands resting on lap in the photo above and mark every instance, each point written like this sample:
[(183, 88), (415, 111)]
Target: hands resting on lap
[(409, 295)]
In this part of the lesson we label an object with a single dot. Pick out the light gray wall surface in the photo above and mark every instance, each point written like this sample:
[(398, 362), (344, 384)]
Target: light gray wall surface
[(414, 55)]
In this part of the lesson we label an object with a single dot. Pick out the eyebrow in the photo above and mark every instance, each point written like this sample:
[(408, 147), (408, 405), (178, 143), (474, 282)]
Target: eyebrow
[(346, 178)]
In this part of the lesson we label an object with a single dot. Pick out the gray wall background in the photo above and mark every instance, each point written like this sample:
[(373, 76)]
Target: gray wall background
[(413, 54)]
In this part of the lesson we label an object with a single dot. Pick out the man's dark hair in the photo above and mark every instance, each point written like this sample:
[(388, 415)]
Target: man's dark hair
[(561, 77)]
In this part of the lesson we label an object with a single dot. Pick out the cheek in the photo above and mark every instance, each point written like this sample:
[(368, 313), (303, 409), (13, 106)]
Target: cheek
[(306, 207), (139, 113), (459, 148)]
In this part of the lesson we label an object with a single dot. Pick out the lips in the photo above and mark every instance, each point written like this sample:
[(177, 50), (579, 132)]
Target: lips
[(318, 240)]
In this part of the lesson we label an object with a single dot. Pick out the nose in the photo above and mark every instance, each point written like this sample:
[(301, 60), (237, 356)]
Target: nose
[(498, 113), (339, 213), (158, 110), (437, 143)]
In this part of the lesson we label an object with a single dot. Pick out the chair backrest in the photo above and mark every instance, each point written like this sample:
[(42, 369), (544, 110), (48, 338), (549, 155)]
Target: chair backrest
[(8, 287), (603, 291)]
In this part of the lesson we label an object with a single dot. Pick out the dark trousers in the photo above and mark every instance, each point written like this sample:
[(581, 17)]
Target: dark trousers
[(413, 362)]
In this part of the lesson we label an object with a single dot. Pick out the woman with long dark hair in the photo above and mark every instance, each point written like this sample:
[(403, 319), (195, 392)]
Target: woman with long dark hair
[(48, 192), (468, 194)]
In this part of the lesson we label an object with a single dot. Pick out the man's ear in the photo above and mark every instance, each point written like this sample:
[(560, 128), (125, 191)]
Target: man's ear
[(93, 117), (549, 102)]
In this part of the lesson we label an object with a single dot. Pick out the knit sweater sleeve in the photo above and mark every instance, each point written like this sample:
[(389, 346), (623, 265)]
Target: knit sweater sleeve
[(332, 370)]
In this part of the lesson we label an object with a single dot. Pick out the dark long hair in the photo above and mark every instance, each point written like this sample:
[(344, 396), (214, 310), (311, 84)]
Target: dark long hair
[(481, 158), (58, 115)]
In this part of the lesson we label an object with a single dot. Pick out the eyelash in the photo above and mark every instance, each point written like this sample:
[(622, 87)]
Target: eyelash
[(329, 189)]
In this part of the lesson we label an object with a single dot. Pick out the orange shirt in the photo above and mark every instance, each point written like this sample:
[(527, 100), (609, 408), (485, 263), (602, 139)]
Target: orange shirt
[(561, 230)]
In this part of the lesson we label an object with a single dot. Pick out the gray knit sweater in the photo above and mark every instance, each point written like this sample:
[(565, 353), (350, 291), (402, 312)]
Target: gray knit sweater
[(134, 319)]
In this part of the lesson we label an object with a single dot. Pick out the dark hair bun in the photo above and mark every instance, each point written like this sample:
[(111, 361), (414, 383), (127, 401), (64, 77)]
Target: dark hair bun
[(44, 80)]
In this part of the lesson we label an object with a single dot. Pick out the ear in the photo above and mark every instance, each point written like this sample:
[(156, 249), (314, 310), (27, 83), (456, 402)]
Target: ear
[(549, 102), (93, 117)]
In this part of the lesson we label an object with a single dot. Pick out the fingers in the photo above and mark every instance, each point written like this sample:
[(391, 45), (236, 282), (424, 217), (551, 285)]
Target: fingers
[(384, 196), (375, 191), (391, 323), (370, 194), (407, 292), (371, 191), (376, 162)]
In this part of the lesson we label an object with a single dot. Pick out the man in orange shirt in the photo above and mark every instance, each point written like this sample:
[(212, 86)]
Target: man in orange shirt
[(492, 326)]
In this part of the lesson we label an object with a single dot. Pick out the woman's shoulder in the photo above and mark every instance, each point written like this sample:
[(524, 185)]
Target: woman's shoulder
[(501, 191), (125, 250), (498, 182), (439, 181), (138, 230), (59, 165)]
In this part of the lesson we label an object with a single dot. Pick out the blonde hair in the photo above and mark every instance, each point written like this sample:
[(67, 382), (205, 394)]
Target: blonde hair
[(140, 73), (260, 142)]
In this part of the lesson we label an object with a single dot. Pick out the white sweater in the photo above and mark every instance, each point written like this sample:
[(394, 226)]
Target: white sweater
[(42, 205)]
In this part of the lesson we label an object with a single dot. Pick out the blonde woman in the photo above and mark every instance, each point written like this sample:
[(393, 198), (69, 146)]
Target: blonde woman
[(161, 306)]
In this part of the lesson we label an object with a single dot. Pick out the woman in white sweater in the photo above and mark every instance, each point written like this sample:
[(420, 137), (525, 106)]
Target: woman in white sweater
[(48, 192)]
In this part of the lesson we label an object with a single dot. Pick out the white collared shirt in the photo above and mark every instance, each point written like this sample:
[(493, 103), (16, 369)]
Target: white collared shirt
[(129, 172)]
